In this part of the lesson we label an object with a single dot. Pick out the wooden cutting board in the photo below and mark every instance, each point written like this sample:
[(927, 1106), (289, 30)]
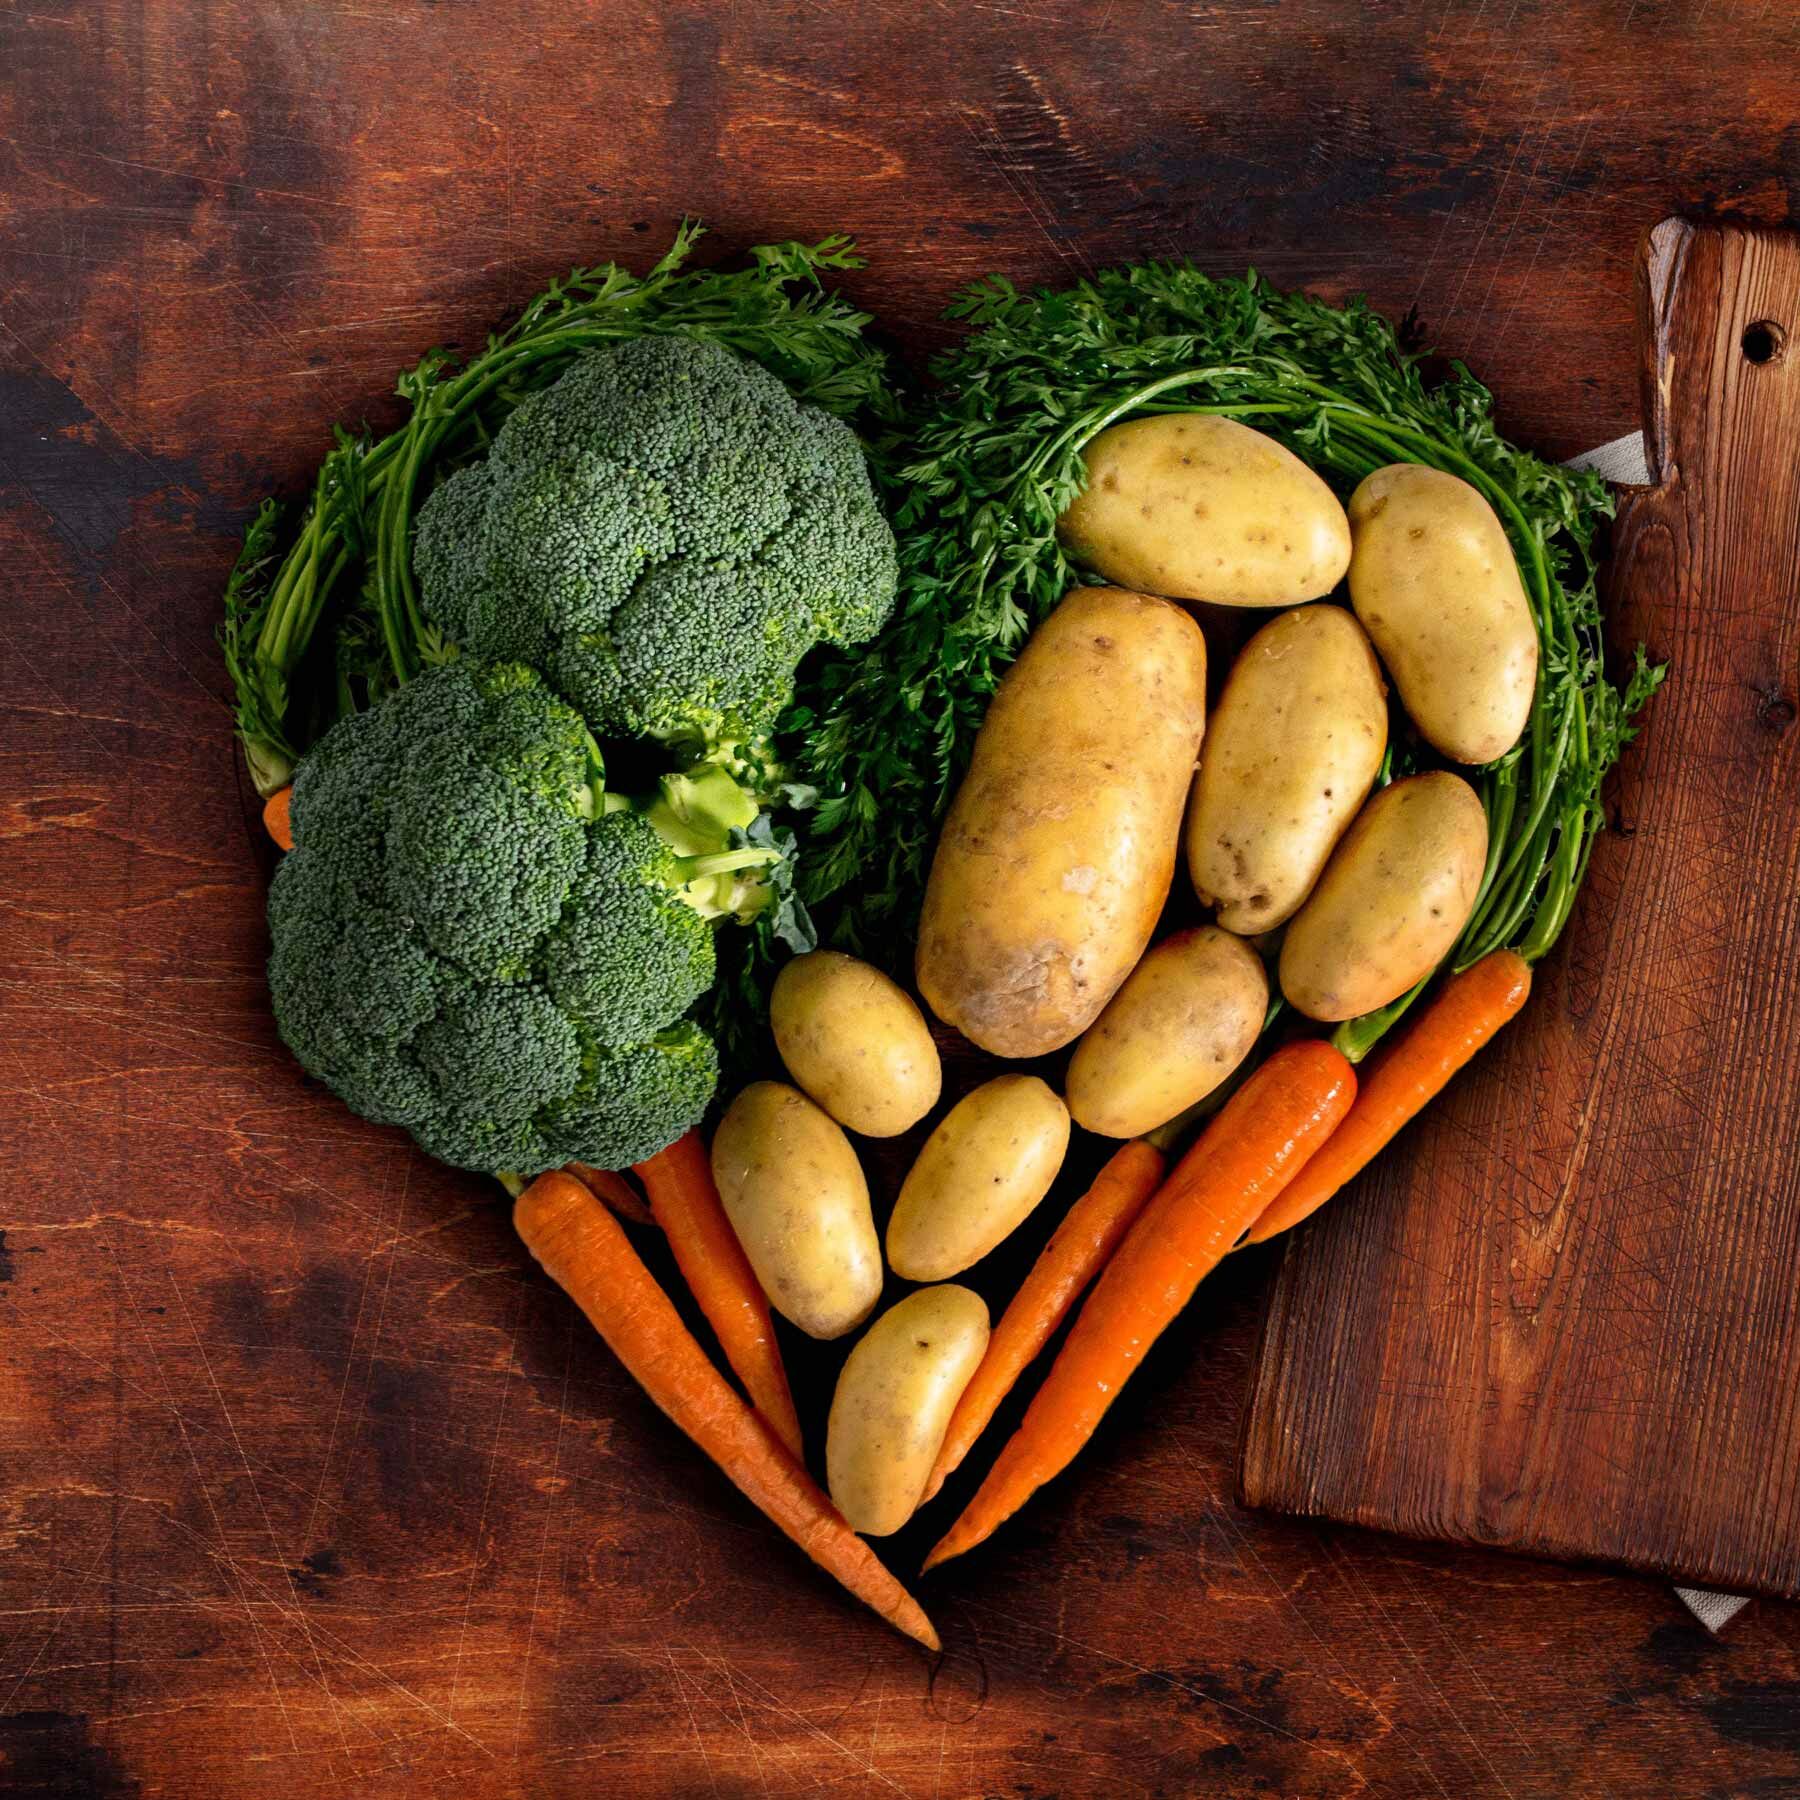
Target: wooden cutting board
[(1562, 1314)]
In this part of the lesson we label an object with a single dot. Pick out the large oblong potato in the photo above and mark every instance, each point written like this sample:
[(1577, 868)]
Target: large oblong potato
[(991, 1159), (797, 1199), (1292, 750), (1187, 1015), (893, 1402), (1435, 582), (1202, 508), (1057, 852), (1392, 899), (855, 1042)]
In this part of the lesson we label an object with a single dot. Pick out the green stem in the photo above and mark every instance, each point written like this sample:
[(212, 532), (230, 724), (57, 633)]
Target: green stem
[(1355, 1038), (1080, 432), (1500, 798), (725, 862)]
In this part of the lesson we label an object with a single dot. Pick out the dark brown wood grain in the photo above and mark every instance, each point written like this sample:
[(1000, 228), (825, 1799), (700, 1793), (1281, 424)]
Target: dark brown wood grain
[(1564, 1315), (309, 1484)]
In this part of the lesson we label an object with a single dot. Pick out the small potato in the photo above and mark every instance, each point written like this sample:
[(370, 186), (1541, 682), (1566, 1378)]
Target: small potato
[(1185, 1018), (855, 1042), (893, 1404), (1434, 580), (796, 1198), (1057, 854), (1392, 899), (1202, 508), (991, 1159), (1291, 753)]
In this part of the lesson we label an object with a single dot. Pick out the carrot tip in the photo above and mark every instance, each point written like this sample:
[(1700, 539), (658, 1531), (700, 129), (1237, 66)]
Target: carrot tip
[(615, 1191)]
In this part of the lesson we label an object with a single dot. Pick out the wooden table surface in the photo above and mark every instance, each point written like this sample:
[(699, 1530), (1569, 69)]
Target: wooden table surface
[(308, 1484)]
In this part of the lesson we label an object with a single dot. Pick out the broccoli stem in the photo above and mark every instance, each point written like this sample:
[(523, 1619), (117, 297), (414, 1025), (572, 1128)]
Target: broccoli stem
[(694, 868)]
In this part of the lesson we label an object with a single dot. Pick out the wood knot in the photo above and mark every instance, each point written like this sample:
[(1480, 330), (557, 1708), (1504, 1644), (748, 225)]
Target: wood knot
[(1774, 711)]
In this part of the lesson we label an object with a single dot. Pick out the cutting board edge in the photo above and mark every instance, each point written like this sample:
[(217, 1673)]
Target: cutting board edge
[(1715, 1577)]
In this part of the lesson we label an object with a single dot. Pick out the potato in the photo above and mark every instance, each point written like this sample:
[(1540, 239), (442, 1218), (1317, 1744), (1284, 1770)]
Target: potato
[(796, 1198), (1435, 582), (1392, 899), (893, 1403), (1185, 1018), (855, 1042), (991, 1159), (1203, 508), (1057, 853), (1291, 752)]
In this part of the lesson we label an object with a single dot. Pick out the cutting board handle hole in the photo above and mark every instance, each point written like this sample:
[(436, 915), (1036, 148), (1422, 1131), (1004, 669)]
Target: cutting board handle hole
[(1763, 341)]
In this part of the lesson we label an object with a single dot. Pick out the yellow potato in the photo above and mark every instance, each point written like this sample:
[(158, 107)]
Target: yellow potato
[(991, 1159), (1203, 508), (893, 1404), (1185, 1018), (1057, 853), (1291, 752), (855, 1042), (1435, 582), (796, 1198), (1392, 899)]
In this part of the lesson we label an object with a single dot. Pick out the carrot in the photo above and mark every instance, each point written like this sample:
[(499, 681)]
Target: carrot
[(686, 1204), (1080, 1248), (1251, 1150), (277, 821), (618, 1193), (1467, 1012), (585, 1251)]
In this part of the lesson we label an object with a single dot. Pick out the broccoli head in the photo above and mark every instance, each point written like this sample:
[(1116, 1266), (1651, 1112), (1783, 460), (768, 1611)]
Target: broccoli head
[(473, 939), (665, 532)]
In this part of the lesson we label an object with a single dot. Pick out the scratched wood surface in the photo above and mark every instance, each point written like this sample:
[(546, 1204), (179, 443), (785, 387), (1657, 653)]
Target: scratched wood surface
[(308, 1484), (1563, 1315)]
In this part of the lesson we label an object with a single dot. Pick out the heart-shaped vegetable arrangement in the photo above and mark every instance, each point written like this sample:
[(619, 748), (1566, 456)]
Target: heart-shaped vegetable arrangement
[(572, 695)]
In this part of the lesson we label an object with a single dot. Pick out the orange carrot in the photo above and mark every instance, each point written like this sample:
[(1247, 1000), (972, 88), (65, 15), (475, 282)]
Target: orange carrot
[(276, 817), (618, 1193), (585, 1251), (1080, 1248), (686, 1204), (1252, 1149), (1468, 1011)]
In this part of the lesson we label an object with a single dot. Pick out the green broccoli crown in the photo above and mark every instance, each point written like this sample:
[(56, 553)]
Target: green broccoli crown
[(665, 531), (467, 942)]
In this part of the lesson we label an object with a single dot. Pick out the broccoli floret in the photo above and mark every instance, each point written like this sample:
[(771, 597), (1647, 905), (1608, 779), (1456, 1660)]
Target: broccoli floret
[(656, 957), (666, 532), (472, 939), (639, 1097), (481, 877), (497, 1057)]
